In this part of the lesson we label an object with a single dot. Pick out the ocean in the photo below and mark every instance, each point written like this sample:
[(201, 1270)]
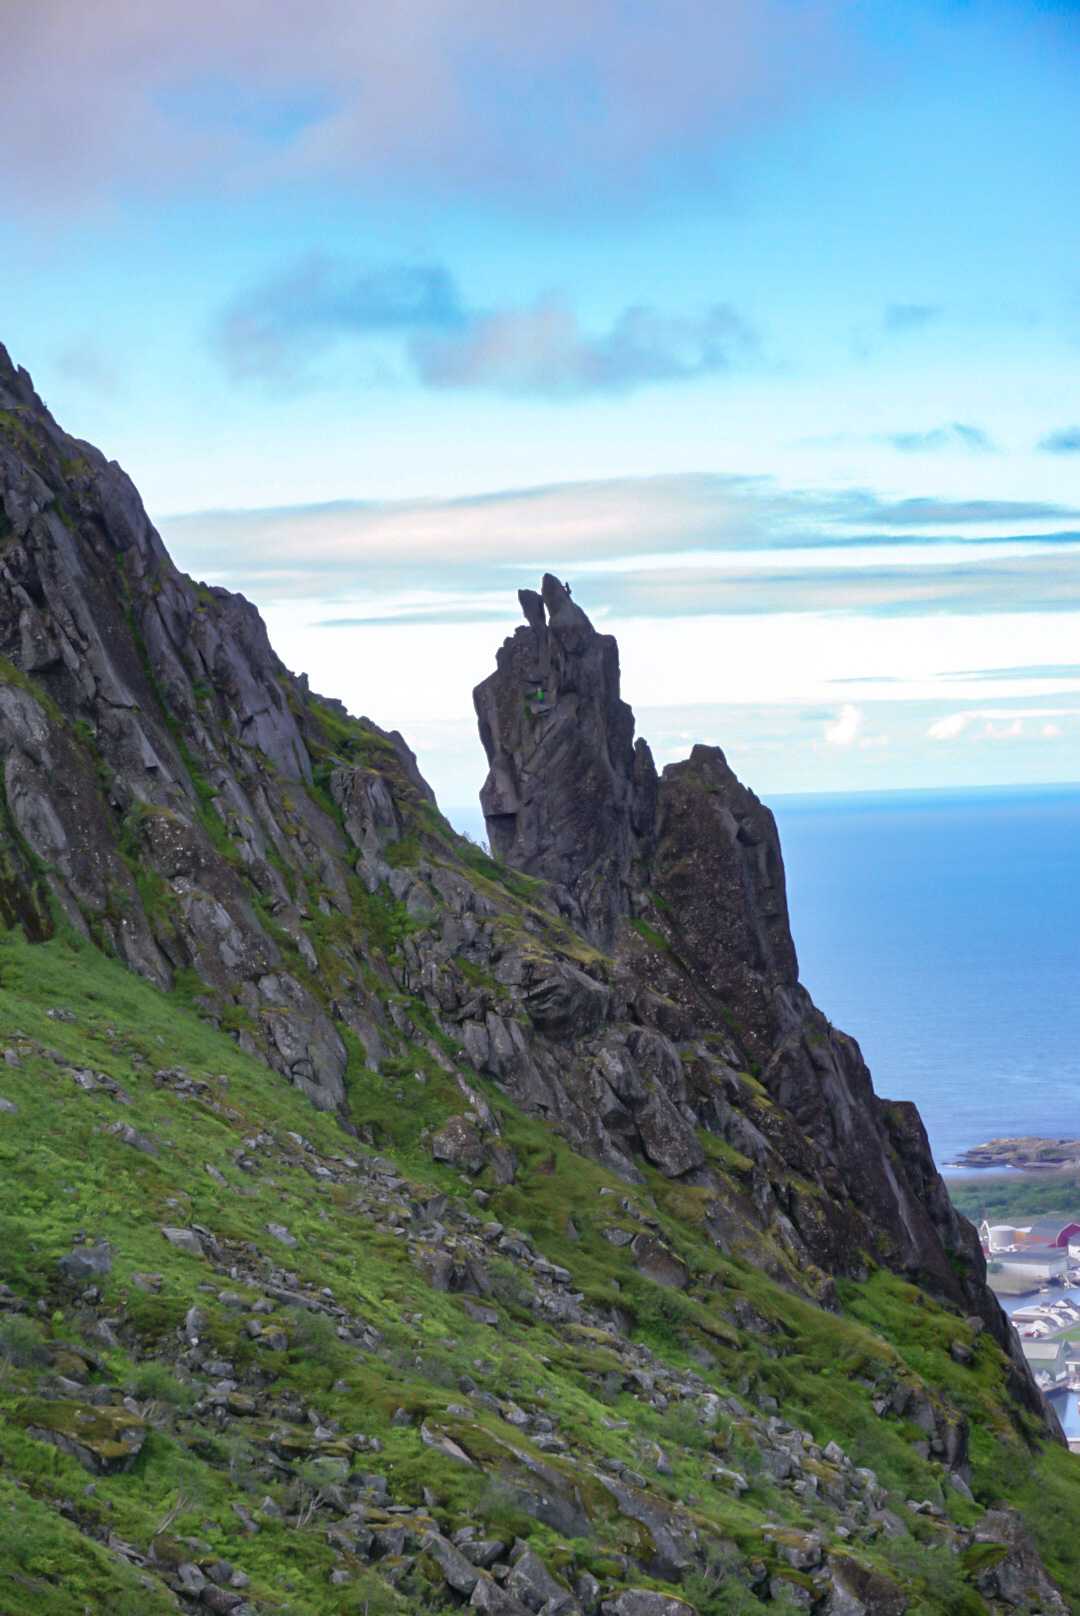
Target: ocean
[(942, 930)]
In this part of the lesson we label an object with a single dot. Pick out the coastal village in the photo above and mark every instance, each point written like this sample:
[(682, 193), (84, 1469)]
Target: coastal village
[(1030, 1262)]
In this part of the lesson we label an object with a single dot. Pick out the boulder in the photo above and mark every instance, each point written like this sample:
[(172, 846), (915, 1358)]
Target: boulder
[(667, 1138), (492, 1600), (431, 1437), (458, 1572), (645, 1602), (1019, 1578), (531, 1583), (502, 1161), (653, 1259), (459, 1145), (105, 1440), (222, 1601), (87, 1263), (183, 1239), (282, 1235), (858, 1590), (144, 1142), (483, 1552)]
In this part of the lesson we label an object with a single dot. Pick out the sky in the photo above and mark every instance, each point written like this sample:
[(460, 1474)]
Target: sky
[(757, 320)]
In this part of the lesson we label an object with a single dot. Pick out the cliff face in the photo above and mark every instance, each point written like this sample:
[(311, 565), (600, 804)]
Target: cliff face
[(621, 978), (157, 760)]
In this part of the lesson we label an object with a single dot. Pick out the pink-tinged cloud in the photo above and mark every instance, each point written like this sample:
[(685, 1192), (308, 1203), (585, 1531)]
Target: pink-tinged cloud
[(543, 350), (545, 100)]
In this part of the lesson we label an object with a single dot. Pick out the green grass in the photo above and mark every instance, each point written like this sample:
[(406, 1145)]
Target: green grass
[(1003, 1198), (62, 1170)]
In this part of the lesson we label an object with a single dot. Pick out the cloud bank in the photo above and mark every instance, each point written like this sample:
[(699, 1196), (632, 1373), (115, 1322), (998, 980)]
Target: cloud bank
[(827, 641), (130, 98), (645, 547)]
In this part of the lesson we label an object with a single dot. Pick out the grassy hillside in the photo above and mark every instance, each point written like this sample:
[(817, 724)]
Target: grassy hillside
[(288, 1473)]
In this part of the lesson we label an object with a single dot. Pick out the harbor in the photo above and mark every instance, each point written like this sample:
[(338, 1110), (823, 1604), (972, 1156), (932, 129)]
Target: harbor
[(1034, 1269)]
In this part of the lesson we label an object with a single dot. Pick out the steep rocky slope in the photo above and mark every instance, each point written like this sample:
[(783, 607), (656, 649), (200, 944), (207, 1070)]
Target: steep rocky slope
[(425, 1227)]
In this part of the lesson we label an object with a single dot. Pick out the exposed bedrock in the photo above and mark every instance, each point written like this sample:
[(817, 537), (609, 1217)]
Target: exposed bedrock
[(568, 796)]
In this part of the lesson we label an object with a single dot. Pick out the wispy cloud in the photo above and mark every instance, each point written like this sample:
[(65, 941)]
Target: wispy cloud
[(660, 547), (948, 513), (949, 727), (957, 435), (88, 364), (1065, 440), (543, 350), (275, 332), (901, 317), (990, 724)]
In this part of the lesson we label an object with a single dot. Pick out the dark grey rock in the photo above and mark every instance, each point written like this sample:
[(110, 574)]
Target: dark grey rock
[(458, 1144), (560, 793), (1020, 1579), (86, 1263), (653, 1259), (459, 1572), (645, 1602), (531, 1582)]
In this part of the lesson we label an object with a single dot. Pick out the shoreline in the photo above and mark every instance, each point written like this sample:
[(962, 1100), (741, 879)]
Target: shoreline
[(1024, 1153)]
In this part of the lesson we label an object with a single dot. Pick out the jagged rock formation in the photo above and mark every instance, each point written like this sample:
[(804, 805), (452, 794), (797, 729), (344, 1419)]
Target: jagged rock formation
[(173, 793), (682, 880), (568, 795)]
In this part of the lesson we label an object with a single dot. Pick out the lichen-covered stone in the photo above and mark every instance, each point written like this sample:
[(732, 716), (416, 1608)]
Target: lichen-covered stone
[(105, 1440)]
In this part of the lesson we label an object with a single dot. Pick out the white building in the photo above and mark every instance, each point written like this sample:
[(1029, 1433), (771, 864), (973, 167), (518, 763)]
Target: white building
[(1015, 1272), (1047, 1360)]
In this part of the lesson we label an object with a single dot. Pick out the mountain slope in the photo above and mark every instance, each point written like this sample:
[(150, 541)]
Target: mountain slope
[(526, 1202)]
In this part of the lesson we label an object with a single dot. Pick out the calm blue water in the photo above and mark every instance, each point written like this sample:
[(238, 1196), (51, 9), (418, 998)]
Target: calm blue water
[(943, 932)]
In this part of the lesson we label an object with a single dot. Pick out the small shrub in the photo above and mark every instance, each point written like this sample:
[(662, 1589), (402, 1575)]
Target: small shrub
[(20, 1345), (154, 1383), (313, 1338)]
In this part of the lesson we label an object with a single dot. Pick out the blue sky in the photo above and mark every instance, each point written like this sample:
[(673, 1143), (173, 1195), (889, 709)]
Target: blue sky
[(760, 321)]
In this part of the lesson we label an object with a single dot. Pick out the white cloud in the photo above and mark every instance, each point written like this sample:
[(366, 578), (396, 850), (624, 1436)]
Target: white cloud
[(1003, 732), (846, 729), (947, 729), (1051, 731)]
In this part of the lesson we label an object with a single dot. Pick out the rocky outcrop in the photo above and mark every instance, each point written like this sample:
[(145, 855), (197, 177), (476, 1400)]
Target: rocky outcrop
[(566, 789), (105, 1441), (681, 880)]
